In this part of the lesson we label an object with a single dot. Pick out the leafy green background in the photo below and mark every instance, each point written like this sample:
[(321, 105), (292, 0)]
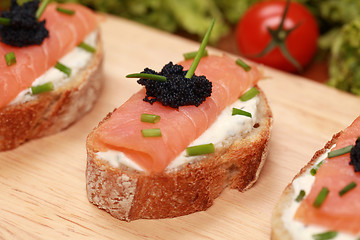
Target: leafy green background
[(190, 16), (339, 22), (194, 16)]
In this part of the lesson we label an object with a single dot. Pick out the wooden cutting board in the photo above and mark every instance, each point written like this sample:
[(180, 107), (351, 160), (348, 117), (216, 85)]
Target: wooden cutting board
[(42, 183)]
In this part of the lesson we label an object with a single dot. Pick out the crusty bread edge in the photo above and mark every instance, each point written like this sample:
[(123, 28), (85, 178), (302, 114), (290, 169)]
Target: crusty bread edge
[(129, 195), (54, 111), (278, 229)]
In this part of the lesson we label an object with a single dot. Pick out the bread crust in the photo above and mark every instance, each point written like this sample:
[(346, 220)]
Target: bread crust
[(54, 111), (278, 229), (128, 194)]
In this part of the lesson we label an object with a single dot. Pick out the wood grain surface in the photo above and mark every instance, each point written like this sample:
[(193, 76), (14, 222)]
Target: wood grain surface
[(42, 183)]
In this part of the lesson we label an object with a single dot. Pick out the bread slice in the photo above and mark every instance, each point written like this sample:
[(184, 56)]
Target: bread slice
[(128, 194), (53, 111), (278, 228)]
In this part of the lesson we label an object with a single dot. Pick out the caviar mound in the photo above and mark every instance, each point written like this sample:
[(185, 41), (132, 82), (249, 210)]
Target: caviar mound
[(355, 156), (177, 90), (24, 28)]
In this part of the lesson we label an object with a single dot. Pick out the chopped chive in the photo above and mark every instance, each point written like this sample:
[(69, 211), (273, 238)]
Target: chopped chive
[(150, 118), (66, 11), (347, 188), (5, 21), (152, 132), (340, 151), (41, 8), (252, 92), (46, 87), (300, 196), (63, 68), (191, 55), (321, 197), (87, 47), (242, 64), (10, 58), (147, 76), (200, 149), (313, 171), (236, 111), (199, 53), (325, 235)]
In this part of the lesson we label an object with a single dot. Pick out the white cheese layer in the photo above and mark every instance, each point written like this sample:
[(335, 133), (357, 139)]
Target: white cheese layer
[(297, 229), (78, 59), (226, 126)]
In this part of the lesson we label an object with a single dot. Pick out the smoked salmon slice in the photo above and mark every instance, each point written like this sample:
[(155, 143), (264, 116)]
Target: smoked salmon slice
[(179, 127), (65, 33), (338, 213)]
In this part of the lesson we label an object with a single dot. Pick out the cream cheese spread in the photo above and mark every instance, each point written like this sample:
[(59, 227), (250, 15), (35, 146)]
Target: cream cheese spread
[(297, 229), (225, 127), (78, 59)]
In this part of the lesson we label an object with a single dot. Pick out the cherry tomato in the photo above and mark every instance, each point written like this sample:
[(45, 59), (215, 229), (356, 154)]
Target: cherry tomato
[(252, 34)]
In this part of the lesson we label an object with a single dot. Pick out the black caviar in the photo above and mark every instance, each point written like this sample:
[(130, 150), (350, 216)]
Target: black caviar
[(177, 90), (355, 156), (24, 28)]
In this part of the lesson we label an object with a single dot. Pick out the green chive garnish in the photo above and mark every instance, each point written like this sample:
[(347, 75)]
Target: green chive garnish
[(191, 55), (46, 87), (63, 68), (150, 118), (325, 235), (200, 52), (10, 58), (87, 47), (236, 111), (347, 188), (147, 76), (153, 132), (41, 8), (313, 171), (300, 196), (200, 149), (66, 11), (252, 92), (321, 197), (242, 64), (5, 21), (340, 151)]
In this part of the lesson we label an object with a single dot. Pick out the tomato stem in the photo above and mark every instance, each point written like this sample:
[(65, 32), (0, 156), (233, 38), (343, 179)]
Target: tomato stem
[(278, 39), (289, 57)]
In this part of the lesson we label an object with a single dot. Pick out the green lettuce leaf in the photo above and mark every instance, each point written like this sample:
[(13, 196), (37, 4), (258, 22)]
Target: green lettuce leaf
[(345, 58)]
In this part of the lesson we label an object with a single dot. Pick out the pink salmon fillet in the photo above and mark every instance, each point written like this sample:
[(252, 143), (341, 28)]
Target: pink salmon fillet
[(336, 213), (122, 131)]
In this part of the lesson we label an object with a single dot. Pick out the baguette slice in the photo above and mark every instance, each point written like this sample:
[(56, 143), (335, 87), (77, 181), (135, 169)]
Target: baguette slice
[(128, 194), (278, 229), (53, 111), (282, 215)]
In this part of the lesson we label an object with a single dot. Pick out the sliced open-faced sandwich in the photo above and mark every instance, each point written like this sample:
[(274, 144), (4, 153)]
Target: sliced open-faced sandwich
[(176, 144), (323, 202), (50, 69)]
